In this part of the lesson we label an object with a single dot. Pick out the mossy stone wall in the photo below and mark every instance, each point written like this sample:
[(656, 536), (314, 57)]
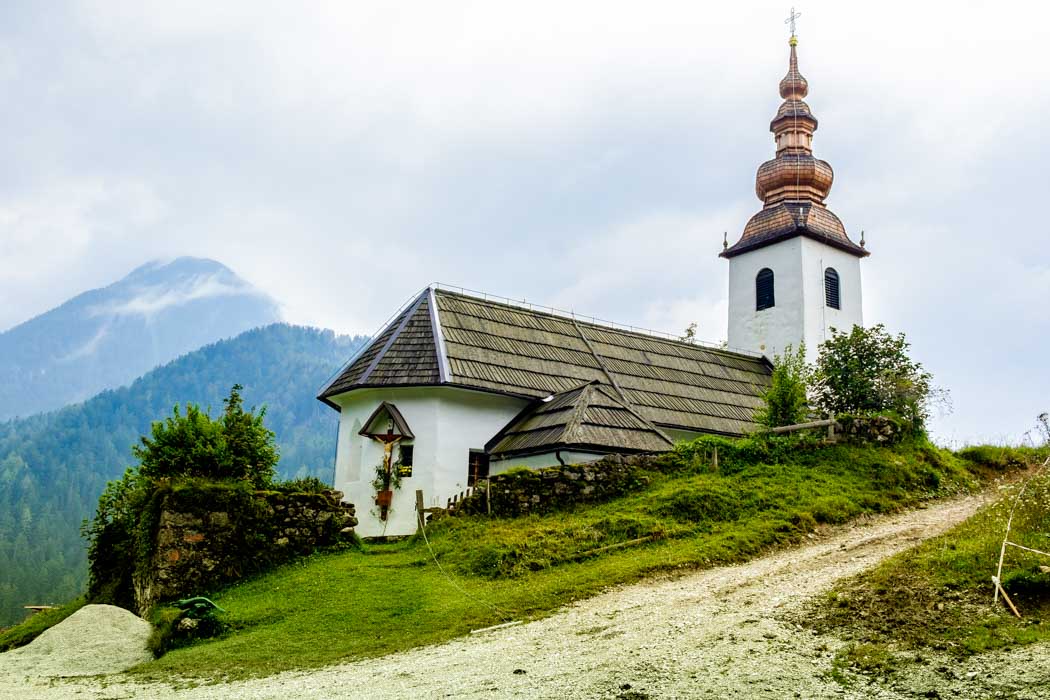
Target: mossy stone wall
[(205, 537), (524, 491)]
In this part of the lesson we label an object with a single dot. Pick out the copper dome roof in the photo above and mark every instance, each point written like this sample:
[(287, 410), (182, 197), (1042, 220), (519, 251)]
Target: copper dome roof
[(794, 185)]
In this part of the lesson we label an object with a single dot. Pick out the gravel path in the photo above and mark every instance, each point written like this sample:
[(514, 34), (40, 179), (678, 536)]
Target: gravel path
[(720, 633)]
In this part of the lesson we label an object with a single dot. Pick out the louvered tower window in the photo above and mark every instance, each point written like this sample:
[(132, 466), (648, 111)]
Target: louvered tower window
[(831, 288), (764, 298)]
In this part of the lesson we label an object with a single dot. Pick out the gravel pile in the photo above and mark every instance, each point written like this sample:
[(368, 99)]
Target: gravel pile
[(96, 639)]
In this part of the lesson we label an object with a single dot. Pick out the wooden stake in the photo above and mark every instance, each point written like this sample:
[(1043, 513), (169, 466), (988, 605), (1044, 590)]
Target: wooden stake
[(419, 509), (1000, 589)]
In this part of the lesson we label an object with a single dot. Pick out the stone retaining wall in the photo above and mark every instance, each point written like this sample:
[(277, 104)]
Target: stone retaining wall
[(880, 430), (525, 491), (202, 541)]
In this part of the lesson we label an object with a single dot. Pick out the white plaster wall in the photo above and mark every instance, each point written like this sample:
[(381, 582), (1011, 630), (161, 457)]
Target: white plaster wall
[(547, 459), (800, 314), (447, 423), (821, 318), (767, 331)]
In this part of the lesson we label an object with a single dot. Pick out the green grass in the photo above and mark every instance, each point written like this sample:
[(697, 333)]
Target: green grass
[(939, 595), (392, 597)]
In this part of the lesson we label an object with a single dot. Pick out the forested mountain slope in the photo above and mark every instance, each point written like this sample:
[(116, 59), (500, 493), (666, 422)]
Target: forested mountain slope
[(54, 466)]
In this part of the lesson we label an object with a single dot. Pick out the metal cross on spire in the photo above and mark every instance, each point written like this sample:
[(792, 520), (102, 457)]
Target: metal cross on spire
[(791, 20)]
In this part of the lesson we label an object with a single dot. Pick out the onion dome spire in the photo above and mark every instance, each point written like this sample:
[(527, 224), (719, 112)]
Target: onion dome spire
[(793, 86), (794, 185)]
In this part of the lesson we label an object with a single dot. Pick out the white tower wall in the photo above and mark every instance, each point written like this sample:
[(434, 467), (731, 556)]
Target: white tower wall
[(820, 318), (800, 313)]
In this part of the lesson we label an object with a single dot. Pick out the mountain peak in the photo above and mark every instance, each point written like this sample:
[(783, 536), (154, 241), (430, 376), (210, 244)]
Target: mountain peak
[(181, 265), (106, 337)]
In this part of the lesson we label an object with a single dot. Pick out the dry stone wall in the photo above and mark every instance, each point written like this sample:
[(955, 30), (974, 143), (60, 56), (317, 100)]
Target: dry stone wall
[(204, 541), (876, 429), (524, 491)]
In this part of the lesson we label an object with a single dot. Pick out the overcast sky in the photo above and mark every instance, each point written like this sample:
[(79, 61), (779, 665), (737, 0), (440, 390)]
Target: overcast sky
[(585, 155)]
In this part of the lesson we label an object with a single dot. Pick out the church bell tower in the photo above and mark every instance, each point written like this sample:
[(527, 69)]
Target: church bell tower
[(794, 274)]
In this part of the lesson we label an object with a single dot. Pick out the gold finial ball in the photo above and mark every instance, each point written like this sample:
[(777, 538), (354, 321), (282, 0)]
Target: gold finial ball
[(793, 41)]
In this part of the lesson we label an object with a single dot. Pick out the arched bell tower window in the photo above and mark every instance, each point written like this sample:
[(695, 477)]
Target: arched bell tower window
[(831, 289), (764, 297)]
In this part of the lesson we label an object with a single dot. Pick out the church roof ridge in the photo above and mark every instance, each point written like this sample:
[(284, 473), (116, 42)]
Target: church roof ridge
[(585, 318), (490, 345)]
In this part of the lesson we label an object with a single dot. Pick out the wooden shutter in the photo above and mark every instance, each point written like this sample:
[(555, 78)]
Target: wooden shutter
[(764, 296), (831, 288)]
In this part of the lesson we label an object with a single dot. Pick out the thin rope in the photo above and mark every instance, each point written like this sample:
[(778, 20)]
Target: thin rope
[(503, 616)]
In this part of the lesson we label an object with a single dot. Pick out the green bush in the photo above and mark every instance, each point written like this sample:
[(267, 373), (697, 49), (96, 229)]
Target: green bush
[(235, 446), (169, 631), (785, 402), (235, 451), (866, 371)]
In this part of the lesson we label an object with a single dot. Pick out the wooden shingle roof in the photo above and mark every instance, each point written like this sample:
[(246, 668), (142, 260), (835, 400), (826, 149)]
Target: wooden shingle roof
[(590, 417), (450, 338)]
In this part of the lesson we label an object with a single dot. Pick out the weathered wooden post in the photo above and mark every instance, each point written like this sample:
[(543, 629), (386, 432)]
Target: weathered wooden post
[(420, 515), (714, 461)]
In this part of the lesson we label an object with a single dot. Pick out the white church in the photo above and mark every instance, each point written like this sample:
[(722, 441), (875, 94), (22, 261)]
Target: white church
[(458, 386)]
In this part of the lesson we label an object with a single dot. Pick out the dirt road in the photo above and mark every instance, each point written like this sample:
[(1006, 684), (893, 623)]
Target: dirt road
[(721, 633)]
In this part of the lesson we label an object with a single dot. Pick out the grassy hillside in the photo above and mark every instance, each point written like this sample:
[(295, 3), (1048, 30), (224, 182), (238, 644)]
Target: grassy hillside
[(54, 466), (938, 596), (391, 597)]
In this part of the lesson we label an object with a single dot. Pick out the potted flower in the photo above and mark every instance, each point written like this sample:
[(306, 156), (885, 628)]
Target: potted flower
[(385, 481)]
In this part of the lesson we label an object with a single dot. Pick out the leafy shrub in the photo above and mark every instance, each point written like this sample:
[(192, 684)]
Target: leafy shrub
[(235, 446), (785, 403), (867, 370)]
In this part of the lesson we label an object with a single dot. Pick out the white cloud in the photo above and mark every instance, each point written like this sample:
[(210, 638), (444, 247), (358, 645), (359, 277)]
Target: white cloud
[(149, 301), (52, 237), (586, 155)]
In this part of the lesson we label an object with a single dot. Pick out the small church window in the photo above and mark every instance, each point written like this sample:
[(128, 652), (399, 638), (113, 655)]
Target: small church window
[(764, 297), (477, 467), (406, 455), (831, 288)]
